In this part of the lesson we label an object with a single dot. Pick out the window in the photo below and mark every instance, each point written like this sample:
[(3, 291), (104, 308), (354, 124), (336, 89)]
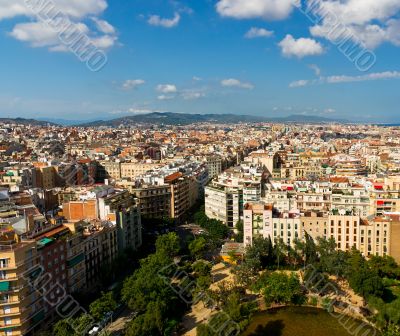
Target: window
[(4, 263)]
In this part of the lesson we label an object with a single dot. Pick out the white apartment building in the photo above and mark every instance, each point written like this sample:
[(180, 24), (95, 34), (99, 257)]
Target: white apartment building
[(226, 194)]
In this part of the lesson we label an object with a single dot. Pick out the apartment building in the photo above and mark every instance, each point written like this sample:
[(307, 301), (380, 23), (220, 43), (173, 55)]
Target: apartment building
[(259, 219), (132, 170), (21, 306), (171, 190), (46, 177), (180, 188), (226, 194), (214, 166), (346, 165), (282, 200), (373, 236), (76, 268), (108, 170), (108, 204), (311, 201), (154, 201), (345, 230)]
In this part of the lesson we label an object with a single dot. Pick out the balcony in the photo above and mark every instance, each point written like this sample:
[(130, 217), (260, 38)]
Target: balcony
[(10, 300), (10, 325)]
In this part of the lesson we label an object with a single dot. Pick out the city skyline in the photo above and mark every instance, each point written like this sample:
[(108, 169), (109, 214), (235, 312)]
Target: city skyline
[(261, 57)]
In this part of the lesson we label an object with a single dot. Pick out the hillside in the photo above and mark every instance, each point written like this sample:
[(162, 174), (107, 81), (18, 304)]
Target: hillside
[(169, 118)]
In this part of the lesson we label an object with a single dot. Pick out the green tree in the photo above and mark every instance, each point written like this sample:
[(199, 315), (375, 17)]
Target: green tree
[(310, 251), (152, 322), (332, 261), (391, 330), (106, 303), (283, 288), (362, 279), (168, 244), (245, 274), (240, 232), (279, 252), (149, 282), (260, 254), (63, 328), (198, 247), (202, 268), (204, 330), (386, 266)]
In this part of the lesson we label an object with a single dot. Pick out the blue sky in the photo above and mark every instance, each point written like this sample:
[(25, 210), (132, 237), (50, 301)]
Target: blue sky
[(259, 57)]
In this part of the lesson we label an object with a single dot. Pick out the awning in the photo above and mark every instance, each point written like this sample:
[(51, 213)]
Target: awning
[(4, 286)]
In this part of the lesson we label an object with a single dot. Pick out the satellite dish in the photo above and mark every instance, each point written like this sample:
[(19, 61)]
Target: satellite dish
[(342, 212)]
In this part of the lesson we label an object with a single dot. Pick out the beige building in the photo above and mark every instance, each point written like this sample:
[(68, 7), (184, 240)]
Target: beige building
[(133, 170), (153, 200), (259, 220), (21, 308)]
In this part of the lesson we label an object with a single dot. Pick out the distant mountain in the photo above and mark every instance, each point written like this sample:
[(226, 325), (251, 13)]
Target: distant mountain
[(23, 121), (169, 118), (68, 122)]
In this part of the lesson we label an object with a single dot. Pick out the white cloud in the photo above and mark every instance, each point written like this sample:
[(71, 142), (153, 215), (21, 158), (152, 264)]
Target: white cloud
[(103, 26), (362, 78), (104, 42), (232, 82), (35, 33), (329, 111), (166, 88), (258, 32), (347, 79), (299, 83), (75, 14), (156, 20), (130, 84), (165, 97), (73, 8), (301, 47), (192, 94), (250, 9), (316, 69), (135, 110), (367, 22)]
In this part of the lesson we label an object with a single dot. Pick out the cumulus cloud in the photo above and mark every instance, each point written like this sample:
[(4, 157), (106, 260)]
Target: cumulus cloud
[(347, 79), (258, 32), (301, 47), (233, 82), (250, 9), (75, 14), (166, 88), (130, 84), (366, 22), (72, 8), (156, 20)]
